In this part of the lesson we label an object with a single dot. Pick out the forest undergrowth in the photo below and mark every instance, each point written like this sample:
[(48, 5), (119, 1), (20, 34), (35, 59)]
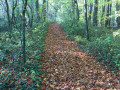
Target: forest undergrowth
[(13, 75), (103, 43), (80, 52)]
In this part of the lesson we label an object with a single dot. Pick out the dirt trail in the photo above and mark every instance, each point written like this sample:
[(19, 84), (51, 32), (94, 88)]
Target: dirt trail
[(65, 67)]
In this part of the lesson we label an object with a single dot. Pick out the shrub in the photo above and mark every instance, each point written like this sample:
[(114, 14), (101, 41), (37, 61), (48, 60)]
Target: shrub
[(105, 51), (103, 44)]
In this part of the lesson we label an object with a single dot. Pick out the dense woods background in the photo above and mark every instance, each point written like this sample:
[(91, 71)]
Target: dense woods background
[(93, 24)]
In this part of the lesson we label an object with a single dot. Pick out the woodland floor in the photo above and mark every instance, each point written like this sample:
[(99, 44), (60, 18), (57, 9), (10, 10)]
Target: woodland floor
[(65, 67)]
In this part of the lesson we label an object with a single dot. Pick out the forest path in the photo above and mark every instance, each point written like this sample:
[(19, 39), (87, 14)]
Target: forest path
[(65, 67)]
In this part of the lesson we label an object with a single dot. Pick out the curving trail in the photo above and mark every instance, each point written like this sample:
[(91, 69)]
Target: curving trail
[(65, 67)]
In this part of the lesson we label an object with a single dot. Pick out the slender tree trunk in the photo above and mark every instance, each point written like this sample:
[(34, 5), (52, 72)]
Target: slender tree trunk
[(118, 17), (77, 9), (30, 16), (27, 13), (24, 24), (110, 11), (8, 16), (102, 16), (13, 12), (86, 21), (10, 19), (95, 13), (44, 10), (7, 9), (90, 11), (73, 12), (37, 10), (30, 22), (107, 15)]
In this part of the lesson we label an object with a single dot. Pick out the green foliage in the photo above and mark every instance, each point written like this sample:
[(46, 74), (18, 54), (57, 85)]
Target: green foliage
[(33, 75), (35, 41), (105, 51), (103, 44), (116, 36), (78, 38), (73, 29), (9, 48), (10, 53), (3, 25)]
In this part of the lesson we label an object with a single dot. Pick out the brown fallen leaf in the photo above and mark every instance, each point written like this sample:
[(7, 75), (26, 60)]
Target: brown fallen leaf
[(71, 67), (100, 84), (52, 86), (93, 89)]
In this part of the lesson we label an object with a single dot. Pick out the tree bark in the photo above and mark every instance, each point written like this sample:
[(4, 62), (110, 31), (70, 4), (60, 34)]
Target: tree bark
[(102, 16), (37, 10), (31, 16), (13, 11), (110, 12), (118, 17), (77, 9), (95, 13), (7, 9), (107, 15), (73, 12), (9, 19), (24, 44), (44, 10), (86, 21), (90, 11)]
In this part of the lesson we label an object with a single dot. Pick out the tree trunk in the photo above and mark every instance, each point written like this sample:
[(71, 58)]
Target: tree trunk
[(110, 12), (7, 9), (73, 12), (95, 12), (24, 44), (44, 10), (107, 15), (9, 19), (77, 9), (118, 17), (13, 12), (90, 11), (86, 21), (47, 8), (37, 10), (30, 16), (102, 16)]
